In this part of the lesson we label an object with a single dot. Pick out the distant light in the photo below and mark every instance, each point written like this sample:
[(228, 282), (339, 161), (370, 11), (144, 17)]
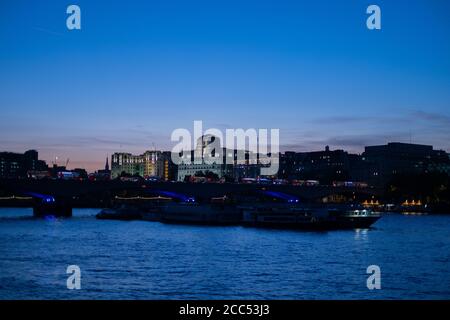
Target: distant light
[(48, 200)]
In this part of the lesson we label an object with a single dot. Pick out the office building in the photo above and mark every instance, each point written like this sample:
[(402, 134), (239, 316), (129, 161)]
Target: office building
[(18, 165)]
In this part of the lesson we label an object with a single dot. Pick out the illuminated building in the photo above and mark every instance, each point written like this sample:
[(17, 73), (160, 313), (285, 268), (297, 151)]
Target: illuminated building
[(148, 164)]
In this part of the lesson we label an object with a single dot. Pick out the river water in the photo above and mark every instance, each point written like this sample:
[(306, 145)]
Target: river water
[(151, 260)]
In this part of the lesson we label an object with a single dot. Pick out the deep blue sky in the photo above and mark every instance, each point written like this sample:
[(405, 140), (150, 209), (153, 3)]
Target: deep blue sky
[(139, 69)]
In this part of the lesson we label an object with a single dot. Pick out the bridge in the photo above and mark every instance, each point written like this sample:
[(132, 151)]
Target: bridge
[(64, 195)]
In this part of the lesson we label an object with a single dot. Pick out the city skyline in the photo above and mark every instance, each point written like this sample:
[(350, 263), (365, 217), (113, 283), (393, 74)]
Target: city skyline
[(135, 73), (154, 163)]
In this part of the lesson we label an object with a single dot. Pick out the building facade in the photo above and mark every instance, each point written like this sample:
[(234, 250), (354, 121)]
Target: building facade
[(126, 163), (325, 166), (149, 164), (231, 165), (403, 158), (18, 165), (375, 166)]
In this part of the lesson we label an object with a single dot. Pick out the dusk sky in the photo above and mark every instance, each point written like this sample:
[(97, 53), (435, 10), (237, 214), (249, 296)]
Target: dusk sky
[(137, 70)]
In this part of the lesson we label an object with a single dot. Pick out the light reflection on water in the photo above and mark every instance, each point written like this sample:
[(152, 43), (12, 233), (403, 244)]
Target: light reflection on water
[(361, 234)]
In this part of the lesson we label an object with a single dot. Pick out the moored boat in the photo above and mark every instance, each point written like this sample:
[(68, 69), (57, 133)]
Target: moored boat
[(204, 213), (352, 218), (277, 216), (308, 218), (123, 212), (273, 210)]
